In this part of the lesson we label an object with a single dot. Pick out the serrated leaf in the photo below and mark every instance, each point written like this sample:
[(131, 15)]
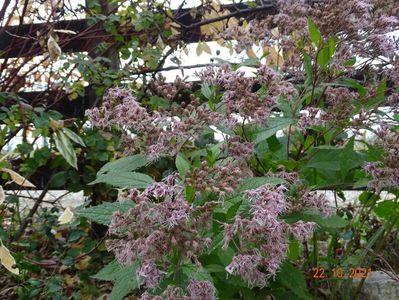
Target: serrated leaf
[(294, 280), (73, 136), (315, 35), (109, 272), (310, 215), (18, 179), (349, 82), (255, 182), (182, 165), (387, 209), (65, 147), (197, 273), (160, 102), (124, 180), (324, 57), (102, 213), (7, 260), (124, 278), (125, 164), (275, 124)]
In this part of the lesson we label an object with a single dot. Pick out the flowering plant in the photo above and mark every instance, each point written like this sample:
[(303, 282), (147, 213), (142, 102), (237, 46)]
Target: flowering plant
[(226, 216)]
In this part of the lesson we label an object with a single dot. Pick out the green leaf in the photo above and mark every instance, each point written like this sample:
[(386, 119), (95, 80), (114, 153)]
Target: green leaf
[(379, 98), (294, 249), (294, 280), (160, 102), (197, 273), (349, 82), (387, 209), (341, 159), (275, 124), (124, 278), (109, 272), (123, 287), (125, 164), (206, 91), (255, 182), (315, 35), (307, 64), (326, 54), (182, 165), (58, 180), (102, 213), (73, 136), (333, 221), (350, 62), (310, 215), (124, 180), (65, 147)]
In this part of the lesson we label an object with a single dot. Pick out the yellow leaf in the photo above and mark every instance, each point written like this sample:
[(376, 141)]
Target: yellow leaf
[(251, 53), (206, 48), (18, 179), (55, 125), (193, 12), (221, 42), (185, 50), (169, 13), (160, 42), (275, 32), (59, 236), (73, 96), (65, 217), (53, 48), (72, 281), (199, 49), (232, 22), (2, 195), (174, 32), (83, 264), (7, 260), (64, 31), (176, 25)]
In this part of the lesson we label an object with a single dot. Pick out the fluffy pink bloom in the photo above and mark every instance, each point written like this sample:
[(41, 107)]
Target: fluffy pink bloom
[(201, 290), (303, 230), (316, 201), (311, 117), (247, 267), (149, 274)]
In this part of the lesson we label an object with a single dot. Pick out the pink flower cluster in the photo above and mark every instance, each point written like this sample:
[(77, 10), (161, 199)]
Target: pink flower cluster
[(168, 90), (360, 26), (385, 174), (161, 222), (221, 178), (156, 134), (196, 290), (263, 238), (311, 117), (240, 96)]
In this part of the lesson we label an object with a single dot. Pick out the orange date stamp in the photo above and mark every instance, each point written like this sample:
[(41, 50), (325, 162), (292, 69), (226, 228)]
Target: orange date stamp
[(319, 273)]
